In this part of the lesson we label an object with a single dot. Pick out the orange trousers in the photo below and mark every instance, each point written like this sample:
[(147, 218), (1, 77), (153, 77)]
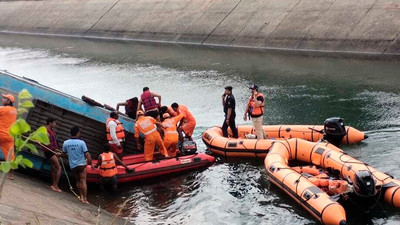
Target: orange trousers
[(150, 142), (188, 128), (170, 145), (7, 146)]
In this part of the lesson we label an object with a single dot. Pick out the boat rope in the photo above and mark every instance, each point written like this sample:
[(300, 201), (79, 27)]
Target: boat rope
[(69, 182), (62, 164)]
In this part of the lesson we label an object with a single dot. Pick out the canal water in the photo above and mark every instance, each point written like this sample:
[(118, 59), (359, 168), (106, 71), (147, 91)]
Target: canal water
[(298, 90)]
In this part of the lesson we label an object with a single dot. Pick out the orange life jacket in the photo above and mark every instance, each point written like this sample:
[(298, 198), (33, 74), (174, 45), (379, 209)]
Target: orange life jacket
[(256, 110), (108, 168), (145, 125), (170, 126), (313, 170), (119, 130), (338, 186)]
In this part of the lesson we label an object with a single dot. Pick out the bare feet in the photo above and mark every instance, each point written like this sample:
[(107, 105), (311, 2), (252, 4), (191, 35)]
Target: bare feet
[(85, 201), (11, 177), (56, 189)]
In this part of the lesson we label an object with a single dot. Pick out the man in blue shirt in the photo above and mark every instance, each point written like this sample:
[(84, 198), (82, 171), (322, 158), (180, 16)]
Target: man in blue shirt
[(77, 152)]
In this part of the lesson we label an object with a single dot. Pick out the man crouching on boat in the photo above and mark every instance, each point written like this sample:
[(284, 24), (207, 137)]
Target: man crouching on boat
[(108, 168), (171, 135), (147, 125), (78, 153)]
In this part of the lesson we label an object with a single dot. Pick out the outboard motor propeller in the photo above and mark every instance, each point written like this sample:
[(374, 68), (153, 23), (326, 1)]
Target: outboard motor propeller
[(364, 183), (334, 131)]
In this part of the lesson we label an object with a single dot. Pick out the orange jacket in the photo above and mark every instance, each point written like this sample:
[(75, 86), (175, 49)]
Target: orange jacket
[(257, 110), (188, 115), (8, 115), (145, 125), (170, 127), (119, 130), (108, 167)]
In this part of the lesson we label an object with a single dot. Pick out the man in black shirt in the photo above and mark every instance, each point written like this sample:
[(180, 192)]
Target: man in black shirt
[(228, 102)]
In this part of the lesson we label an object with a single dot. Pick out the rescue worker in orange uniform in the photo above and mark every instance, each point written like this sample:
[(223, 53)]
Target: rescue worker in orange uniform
[(115, 133), (147, 125), (8, 115), (255, 109), (147, 99), (108, 162), (188, 123), (171, 135)]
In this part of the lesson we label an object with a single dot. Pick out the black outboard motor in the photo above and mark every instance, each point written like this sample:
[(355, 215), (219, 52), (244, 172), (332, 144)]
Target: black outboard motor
[(334, 131), (188, 147), (364, 183)]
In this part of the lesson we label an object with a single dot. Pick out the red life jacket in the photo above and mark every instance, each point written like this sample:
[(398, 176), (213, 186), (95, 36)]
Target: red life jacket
[(148, 101), (108, 167), (53, 140)]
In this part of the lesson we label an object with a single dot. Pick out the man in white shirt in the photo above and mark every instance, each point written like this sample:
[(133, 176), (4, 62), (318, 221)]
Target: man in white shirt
[(115, 134)]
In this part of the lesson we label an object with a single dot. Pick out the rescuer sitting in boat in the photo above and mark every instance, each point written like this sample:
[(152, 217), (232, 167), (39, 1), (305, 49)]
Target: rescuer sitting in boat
[(108, 162), (148, 126), (188, 123), (131, 106), (171, 135), (115, 133), (147, 99)]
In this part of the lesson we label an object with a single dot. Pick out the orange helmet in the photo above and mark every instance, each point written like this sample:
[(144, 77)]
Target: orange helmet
[(140, 113), (166, 115), (9, 97)]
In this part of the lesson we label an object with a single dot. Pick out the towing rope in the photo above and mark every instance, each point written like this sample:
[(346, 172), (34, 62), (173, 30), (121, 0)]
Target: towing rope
[(63, 166)]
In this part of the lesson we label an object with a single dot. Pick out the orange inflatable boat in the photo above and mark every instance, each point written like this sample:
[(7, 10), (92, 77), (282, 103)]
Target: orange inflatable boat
[(358, 182), (332, 131)]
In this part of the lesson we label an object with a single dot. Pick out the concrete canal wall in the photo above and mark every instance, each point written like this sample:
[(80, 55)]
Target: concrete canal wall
[(344, 26)]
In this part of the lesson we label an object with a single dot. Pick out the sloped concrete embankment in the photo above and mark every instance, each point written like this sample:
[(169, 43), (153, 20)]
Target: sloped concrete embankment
[(26, 200), (344, 26)]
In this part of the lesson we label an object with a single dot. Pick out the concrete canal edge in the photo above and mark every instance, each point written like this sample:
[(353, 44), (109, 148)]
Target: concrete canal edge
[(368, 27), (29, 201)]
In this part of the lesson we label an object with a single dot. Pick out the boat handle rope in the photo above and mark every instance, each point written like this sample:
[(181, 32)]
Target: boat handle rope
[(62, 164)]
